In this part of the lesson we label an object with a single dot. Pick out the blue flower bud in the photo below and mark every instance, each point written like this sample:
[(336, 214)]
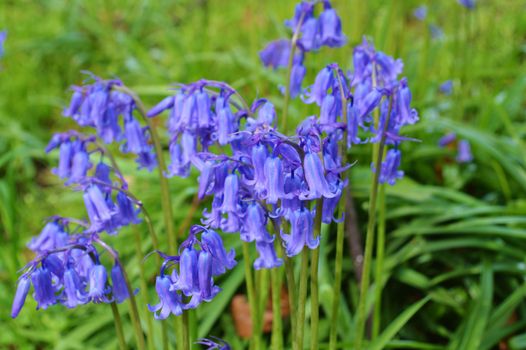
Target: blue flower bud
[(98, 290), (44, 292), (464, 152), (267, 256), (20, 296), (169, 301), (120, 289), (74, 289)]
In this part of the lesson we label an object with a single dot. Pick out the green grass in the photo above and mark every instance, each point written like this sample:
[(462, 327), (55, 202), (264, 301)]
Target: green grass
[(455, 233)]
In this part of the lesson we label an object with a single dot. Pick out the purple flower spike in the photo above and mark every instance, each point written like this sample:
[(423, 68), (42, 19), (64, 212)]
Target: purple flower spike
[(230, 198), (254, 225), (310, 39), (51, 237), (274, 176), (276, 54), (389, 172), (206, 284), (120, 289), (296, 79), (98, 291), (267, 256), (464, 152), (187, 281), (223, 260), (44, 292), (20, 297), (314, 174), (98, 211), (301, 228), (331, 29), (74, 289), (322, 83), (169, 302)]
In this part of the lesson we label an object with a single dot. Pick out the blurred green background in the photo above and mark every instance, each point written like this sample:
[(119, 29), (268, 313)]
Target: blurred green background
[(456, 232)]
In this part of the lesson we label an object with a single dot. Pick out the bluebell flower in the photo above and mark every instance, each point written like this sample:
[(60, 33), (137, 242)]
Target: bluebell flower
[(331, 29), (98, 288), (405, 114), (296, 79), (274, 176), (187, 280), (420, 13), (42, 284), (119, 288), (324, 80), (254, 225), (223, 260), (464, 152), (99, 213), (310, 35), (207, 289), (469, 4), (51, 237), (127, 213), (74, 289), (169, 301), (314, 175), (166, 103), (20, 296), (389, 172), (301, 232), (54, 264), (276, 54), (205, 117), (267, 256)]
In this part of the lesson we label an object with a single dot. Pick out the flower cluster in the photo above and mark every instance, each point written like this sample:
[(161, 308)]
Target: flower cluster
[(68, 271), (102, 106), (310, 34), (199, 261), (377, 89)]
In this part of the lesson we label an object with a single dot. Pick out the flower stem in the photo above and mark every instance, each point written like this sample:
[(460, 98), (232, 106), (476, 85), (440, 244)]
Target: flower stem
[(118, 326), (304, 276), (166, 201), (277, 331), (337, 276), (369, 239), (144, 287), (340, 230), (249, 280), (315, 257), (290, 63), (134, 313), (379, 265)]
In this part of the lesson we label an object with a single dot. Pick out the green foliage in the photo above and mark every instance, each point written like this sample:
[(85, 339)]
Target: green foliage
[(456, 233)]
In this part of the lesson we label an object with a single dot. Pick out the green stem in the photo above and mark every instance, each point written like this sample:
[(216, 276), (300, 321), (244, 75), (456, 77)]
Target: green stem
[(337, 276), (369, 239), (144, 287), (304, 276), (338, 268), (134, 312), (291, 287), (286, 101), (166, 201), (315, 257), (380, 252), (277, 332), (118, 326), (249, 280)]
